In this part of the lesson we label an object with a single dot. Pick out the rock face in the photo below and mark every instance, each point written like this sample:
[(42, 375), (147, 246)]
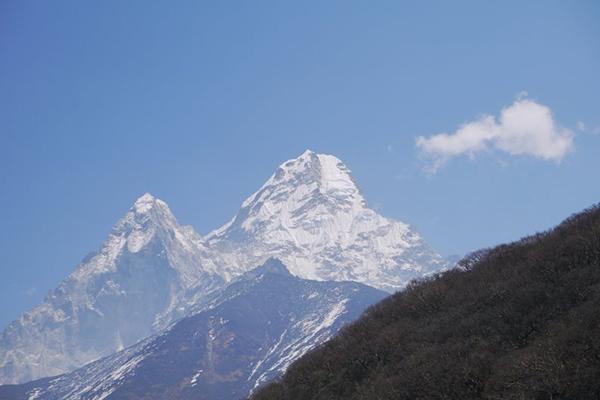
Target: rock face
[(151, 271), (312, 216), (249, 332), (115, 297)]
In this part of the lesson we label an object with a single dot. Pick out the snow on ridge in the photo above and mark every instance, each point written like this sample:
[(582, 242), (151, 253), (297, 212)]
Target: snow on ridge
[(335, 176), (299, 339)]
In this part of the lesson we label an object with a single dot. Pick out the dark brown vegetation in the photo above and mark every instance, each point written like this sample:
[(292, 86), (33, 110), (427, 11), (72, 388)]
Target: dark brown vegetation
[(519, 321)]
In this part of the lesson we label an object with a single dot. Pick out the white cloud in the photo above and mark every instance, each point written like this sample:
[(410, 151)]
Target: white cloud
[(523, 128)]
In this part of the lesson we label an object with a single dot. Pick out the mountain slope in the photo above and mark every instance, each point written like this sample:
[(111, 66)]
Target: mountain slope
[(250, 332), (520, 321), (312, 216), (117, 296)]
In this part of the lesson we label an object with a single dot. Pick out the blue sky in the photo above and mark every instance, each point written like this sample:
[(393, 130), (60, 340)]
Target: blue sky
[(198, 102)]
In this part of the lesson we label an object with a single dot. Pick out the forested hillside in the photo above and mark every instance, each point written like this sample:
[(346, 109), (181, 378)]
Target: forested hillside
[(519, 321)]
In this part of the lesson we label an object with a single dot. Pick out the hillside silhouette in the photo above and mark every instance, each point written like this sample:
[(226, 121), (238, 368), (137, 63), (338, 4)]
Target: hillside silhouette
[(518, 321)]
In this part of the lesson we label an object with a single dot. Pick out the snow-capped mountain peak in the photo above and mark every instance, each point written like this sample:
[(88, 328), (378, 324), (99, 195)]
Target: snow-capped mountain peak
[(146, 212), (149, 222), (145, 203), (311, 214), (324, 174), (326, 170), (147, 215), (312, 186), (139, 281)]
